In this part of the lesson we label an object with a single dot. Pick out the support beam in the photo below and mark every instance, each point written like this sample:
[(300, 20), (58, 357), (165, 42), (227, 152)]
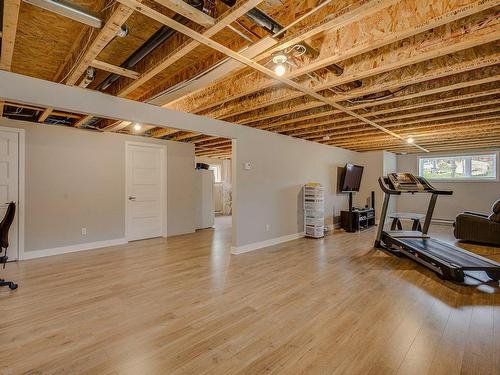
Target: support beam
[(183, 8), (436, 134), (236, 56), (114, 69), (9, 32), (45, 114), (391, 125), (118, 17)]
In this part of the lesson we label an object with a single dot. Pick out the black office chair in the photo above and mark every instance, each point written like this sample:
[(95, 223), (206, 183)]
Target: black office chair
[(4, 240)]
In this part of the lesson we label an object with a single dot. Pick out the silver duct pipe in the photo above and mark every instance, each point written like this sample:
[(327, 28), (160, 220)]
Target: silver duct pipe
[(67, 9)]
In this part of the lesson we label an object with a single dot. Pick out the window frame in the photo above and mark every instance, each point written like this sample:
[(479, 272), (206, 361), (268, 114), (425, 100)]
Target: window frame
[(461, 179)]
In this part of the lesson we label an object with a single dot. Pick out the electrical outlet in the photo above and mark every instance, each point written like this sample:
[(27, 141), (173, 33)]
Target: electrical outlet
[(84, 231), (268, 228)]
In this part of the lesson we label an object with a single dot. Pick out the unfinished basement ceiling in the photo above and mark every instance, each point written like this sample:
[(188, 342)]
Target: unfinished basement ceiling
[(385, 71)]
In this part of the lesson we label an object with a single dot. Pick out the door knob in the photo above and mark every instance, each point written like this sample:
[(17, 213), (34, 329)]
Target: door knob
[(131, 198)]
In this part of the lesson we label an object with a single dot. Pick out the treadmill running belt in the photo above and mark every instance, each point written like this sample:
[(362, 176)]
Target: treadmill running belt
[(448, 253)]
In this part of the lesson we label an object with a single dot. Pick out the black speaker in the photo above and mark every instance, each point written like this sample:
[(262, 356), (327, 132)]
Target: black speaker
[(373, 200)]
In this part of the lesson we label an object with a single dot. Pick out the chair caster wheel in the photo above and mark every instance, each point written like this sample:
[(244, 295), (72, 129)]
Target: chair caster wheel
[(13, 286)]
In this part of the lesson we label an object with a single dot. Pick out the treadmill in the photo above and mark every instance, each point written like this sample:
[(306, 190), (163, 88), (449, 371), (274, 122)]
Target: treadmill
[(448, 261)]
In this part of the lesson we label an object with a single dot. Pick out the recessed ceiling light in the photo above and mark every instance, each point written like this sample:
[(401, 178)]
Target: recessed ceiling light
[(326, 138), (137, 127), (410, 140)]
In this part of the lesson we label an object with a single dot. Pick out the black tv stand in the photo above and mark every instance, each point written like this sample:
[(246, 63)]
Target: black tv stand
[(357, 219)]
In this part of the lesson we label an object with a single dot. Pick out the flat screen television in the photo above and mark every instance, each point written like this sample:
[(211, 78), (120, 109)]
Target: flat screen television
[(351, 178)]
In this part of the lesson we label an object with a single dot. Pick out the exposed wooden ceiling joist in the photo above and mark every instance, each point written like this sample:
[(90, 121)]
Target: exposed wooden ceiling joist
[(340, 45), (114, 69), (236, 56), (45, 114), (113, 24), (226, 19), (9, 32), (188, 11)]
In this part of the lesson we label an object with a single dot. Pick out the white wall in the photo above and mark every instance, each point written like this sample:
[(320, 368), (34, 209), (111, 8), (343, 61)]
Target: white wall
[(180, 182), (271, 192), (467, 196), (76, 179), (377, 164)]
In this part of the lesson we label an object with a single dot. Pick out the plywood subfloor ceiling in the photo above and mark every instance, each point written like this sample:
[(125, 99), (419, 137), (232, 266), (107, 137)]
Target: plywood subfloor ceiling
[(376, 73)]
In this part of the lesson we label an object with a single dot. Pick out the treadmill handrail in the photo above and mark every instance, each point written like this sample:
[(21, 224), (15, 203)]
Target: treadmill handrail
[(385, 187), (383, 182), (433, 189)]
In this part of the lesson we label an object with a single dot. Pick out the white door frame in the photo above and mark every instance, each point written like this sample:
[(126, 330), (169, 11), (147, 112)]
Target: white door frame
[(163, 187), (21, 178)]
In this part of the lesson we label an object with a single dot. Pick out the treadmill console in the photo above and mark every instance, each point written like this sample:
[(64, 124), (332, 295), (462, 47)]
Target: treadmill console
[(407, 182)]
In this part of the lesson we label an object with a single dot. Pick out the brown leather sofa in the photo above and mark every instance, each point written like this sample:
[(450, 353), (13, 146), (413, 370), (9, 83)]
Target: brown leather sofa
[(478, 227)]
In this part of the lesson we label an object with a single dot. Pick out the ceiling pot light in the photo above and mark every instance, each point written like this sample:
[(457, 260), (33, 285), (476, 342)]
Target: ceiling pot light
[(326, 138), (137, 127), (280, 69), (410, 140)]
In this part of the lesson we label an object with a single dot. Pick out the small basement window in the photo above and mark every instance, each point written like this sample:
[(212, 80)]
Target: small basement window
[(479, 167)]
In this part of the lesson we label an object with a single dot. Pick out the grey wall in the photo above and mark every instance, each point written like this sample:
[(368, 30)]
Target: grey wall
[(376, 163), (467, 196), (76, 178), (270, 193), (181, 193)]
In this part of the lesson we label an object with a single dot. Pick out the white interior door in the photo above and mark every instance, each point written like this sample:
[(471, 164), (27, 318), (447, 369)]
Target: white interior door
[(144, 191), (9, 185)]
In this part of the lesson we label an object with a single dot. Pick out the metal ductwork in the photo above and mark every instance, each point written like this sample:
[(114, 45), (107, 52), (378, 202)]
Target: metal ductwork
[(67, 9), (198, 4), (270, 25)]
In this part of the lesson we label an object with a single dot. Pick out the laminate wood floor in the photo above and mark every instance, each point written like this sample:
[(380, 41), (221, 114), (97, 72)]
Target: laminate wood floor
[(183, 305)]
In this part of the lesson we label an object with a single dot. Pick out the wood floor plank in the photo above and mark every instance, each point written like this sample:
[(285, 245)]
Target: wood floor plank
[(184, 305)]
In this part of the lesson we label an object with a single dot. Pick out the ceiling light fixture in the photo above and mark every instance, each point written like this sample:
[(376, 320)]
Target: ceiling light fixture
[(326, 138), (280, 60), (410, 140), (280, 70), (137, 127)]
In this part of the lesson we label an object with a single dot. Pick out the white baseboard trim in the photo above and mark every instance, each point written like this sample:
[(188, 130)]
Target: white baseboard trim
[(72, 248), (443, 221), (236, 250)]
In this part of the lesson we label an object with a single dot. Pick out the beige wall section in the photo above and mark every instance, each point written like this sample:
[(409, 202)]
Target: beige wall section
[(271, 192), (467, 196), (76, 179), (376, 163), (181, 179)]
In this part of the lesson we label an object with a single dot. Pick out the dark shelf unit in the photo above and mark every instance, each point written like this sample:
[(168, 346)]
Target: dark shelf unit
[(357, 219)]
